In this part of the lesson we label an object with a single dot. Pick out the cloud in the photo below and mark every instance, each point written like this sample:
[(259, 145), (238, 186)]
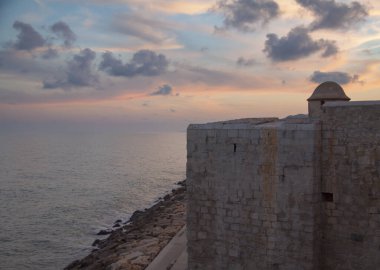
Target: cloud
[(23, 63), (143, 63), (335, 76), (49, 54), (297, 44), (78, 73), (143, 27), (244, 62), (245, 15), (195, 77), (330, 48), (164, 90), (164, 6), (63, 31), (28, 38), (332, 15)]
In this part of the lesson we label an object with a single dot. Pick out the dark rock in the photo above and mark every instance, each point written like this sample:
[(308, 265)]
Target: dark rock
[(73, 264), (96, 242), (182, 183), (136, 214), (167, 197), (118, 221), (104, 232), (180, 197), (117, 225), (181, 190)]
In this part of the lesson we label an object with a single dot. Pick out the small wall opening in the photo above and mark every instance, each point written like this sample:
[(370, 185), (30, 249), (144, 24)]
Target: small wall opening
[(357, 237), (327, 197), (234, 147)]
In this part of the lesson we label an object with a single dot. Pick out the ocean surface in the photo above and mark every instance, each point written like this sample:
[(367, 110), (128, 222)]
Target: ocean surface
[(58, 189)]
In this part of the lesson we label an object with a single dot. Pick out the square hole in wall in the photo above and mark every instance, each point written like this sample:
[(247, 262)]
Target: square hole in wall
[(327, 197), (357, 237)]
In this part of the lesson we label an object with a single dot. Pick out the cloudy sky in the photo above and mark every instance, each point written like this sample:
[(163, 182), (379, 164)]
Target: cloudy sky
[(161, 64)]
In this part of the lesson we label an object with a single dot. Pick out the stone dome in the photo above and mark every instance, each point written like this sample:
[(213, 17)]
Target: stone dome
[(328, 91)]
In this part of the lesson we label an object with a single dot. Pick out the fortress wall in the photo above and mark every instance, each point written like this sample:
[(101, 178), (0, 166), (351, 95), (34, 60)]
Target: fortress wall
[(351, 182), (253, 198)]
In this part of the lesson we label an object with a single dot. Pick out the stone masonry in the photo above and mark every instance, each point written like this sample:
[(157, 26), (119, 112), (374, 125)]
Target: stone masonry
[(296, 193), (351, 174)]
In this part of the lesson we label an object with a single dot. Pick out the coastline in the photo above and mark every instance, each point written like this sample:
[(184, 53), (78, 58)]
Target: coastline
[(135, 244)]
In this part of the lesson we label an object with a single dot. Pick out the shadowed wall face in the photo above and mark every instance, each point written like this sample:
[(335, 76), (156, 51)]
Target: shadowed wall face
[(253, 197), (351, 177)]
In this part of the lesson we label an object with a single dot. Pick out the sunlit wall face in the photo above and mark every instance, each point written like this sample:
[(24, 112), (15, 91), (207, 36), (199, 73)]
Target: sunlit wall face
[(151, 65)]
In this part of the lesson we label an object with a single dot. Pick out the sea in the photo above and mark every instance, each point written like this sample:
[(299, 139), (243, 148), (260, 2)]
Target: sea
[(59, 188)]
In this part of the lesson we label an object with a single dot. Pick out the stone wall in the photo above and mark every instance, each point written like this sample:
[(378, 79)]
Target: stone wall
[(297, 193), (254, 195), (351, 186)]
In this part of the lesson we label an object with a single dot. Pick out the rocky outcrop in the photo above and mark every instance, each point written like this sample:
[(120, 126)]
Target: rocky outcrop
[(134, 245)]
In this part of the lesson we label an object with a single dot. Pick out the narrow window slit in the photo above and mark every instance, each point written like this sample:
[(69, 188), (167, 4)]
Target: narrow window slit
[(327, 197), (234, 147)]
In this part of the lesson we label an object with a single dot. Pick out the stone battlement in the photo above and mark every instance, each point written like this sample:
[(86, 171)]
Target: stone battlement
[(301, 192)]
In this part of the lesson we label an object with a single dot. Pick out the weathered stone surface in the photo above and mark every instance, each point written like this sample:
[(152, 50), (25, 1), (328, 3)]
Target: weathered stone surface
[(351, 172), (295, 193), (250, 195)]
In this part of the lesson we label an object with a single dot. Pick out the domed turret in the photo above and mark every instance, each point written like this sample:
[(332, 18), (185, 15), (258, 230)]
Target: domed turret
[(327, 91)]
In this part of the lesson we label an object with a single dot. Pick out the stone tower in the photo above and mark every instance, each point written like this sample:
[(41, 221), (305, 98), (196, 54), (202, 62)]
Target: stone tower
[(298, 193), (327, 91)]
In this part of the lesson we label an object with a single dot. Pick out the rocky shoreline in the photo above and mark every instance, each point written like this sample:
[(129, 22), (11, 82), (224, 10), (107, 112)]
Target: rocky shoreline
[(135, 244)]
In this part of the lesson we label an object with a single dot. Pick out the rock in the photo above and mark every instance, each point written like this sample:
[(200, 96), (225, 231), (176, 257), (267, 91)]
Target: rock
[(142, 260), (96, 242), (138, 241), (104, 232), (73, 264), (182, 183), (133, 255), (136, 214), (181, 197)]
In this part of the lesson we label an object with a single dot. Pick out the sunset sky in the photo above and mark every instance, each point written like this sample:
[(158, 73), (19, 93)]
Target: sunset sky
[(158, 65)]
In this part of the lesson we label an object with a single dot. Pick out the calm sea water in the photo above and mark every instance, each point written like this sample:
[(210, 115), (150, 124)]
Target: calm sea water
[(58, 189)]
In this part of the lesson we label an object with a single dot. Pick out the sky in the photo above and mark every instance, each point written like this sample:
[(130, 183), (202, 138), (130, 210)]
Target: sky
[(160, 65)]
